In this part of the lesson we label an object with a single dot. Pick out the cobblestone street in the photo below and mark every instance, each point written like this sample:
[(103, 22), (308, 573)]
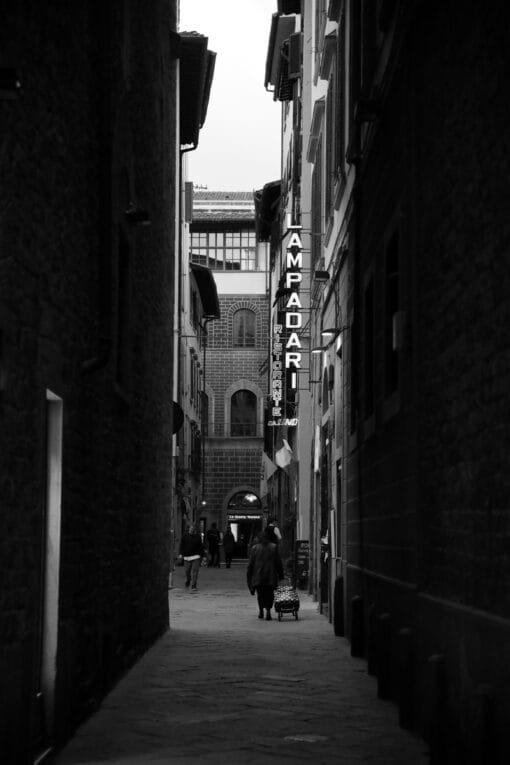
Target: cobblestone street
[(223, 686)]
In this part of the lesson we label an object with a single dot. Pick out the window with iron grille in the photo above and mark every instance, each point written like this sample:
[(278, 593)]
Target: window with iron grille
[(244, 329)]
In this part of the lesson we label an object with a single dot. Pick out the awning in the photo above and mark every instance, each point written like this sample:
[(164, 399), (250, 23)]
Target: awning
[(207, 290)]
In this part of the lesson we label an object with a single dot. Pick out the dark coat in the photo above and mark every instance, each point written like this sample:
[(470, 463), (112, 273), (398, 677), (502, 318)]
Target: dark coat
[(191, 544), (228, 542), (265, 565), (213, 539)]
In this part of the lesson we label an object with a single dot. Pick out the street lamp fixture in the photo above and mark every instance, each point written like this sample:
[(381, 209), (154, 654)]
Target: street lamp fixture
[(333, 332)]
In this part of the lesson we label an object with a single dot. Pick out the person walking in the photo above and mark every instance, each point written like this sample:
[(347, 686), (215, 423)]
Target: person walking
[(192, 551), (273, 532), (263, 573), (213, 541), (228, 545)]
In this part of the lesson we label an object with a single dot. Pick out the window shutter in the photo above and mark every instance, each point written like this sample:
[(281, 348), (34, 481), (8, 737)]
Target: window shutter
[(295, 56)]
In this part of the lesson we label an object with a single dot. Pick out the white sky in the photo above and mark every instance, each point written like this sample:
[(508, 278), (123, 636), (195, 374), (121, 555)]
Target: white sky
[(239, 145)]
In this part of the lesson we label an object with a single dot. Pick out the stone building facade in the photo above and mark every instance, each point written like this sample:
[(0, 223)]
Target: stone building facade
[(405, 150), (234, 372), (87, 245)]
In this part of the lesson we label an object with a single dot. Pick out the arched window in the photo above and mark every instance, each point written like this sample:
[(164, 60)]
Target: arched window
[(243, 413), (244, 328)]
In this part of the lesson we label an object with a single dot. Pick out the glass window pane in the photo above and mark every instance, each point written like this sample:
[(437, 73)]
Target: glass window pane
[(243, 414), (244, 329)]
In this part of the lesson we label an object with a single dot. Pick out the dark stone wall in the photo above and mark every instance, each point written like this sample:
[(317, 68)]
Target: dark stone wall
[(428, 489), (86, 312)]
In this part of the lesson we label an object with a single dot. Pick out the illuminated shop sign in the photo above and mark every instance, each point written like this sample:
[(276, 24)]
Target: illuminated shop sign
[(244, 517), (286, 359)]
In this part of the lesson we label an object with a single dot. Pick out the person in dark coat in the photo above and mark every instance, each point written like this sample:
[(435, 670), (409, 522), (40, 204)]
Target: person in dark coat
[(192, 551), (263, 574), (228, 545), (213, 540), (273, 532)]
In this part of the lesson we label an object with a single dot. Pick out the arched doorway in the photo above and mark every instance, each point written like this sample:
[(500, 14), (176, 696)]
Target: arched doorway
[(244, 514)]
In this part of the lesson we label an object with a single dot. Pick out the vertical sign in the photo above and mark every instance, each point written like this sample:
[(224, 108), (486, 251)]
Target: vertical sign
[(288, 358)]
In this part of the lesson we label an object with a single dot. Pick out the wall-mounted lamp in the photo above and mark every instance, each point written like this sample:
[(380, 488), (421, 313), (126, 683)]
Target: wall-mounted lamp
[(136, 216), (10, 84), (332, 332)]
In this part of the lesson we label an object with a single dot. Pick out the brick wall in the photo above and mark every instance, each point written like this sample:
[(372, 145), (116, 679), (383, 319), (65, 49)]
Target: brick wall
[(92, 130), (233, 463)]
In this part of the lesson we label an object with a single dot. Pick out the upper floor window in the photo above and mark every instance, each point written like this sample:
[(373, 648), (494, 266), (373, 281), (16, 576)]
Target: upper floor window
[(243, 414), (244, 329), (225, 250)]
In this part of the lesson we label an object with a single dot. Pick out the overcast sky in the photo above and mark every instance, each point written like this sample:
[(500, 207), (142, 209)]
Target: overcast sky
[(239, 145)]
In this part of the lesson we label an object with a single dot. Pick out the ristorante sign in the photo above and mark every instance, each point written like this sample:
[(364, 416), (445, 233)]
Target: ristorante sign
[(286, 353)]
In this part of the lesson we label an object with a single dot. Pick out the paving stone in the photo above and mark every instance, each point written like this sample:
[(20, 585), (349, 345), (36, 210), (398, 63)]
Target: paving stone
[(223, 686)]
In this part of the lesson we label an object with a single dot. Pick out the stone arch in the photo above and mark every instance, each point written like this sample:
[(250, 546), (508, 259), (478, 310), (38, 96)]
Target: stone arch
[(246, 527), (250, 305)]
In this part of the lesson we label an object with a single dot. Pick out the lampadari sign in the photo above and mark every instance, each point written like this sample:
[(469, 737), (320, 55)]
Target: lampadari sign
[(286, 359)]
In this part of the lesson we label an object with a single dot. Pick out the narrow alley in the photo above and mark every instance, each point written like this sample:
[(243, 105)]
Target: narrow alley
[(223, 687)]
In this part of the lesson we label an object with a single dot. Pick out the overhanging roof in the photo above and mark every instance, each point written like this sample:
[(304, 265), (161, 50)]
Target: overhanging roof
[(207, 290), (196, 75), (266, 209)]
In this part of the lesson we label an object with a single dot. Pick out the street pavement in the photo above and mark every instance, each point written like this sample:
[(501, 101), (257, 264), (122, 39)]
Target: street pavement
[(222, 686)]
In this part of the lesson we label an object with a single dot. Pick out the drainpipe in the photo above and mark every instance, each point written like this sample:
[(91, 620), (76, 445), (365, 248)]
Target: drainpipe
[(205, 320)]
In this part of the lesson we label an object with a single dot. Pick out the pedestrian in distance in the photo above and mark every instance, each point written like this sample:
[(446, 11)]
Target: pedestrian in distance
[(213, 542), (263, 573), (192, 551), (273, 532), (229, 543)]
